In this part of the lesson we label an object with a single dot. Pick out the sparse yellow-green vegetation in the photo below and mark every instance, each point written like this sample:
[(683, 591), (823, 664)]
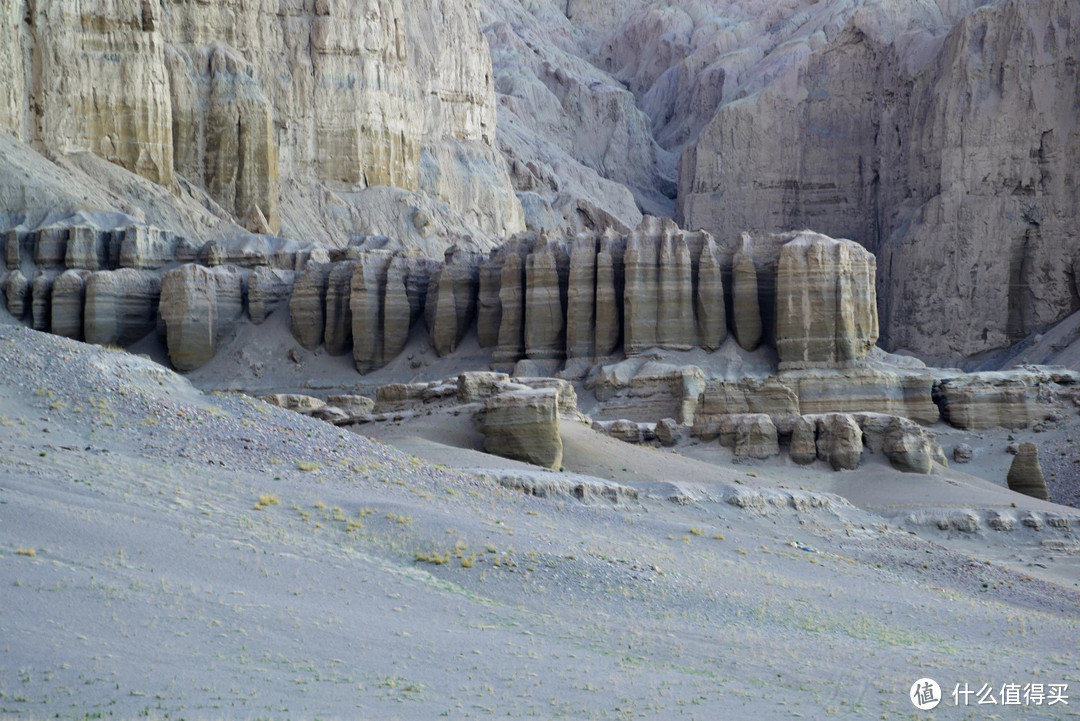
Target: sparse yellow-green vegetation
[(307, 465), (697, 531), (320, 505), (28, 552), (439, 559), (267, 499)]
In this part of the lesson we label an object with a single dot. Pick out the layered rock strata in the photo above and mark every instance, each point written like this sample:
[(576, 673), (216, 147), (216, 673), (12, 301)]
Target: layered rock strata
[(523, 425), (1025, 474)]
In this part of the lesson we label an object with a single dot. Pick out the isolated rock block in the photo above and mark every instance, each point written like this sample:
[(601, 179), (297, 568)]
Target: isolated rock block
[(523, 425), (1025, 474), (839, 441)]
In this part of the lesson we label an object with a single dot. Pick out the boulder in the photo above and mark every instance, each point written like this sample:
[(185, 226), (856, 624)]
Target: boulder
[(1025, 474), (668, 432), (1009, 399), (907, 447), (523, 425), (962, 453), (750, 435), (625, 431), (839, 441)]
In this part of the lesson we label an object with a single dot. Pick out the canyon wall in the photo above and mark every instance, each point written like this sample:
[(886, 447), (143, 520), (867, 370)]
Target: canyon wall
[(284, 114), (950, 155)]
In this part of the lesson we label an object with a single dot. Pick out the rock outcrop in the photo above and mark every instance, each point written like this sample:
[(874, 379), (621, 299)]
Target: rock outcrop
[(68, 300), (523, 425), (1025, 474), (199, 307), (268, 289), (307, 305), (1010, 399), (839, 441), (121, 306), (855, 123), (826, 308)]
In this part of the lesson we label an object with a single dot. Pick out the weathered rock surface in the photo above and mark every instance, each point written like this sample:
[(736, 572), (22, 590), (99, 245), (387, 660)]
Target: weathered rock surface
[(478, 385), (353, 405), (338, 332), (268, 289), (803, 446), (121, 306), (294, 402), (272, 113), (1011, 399), (17, 293), (68, 299), (523, 425), (839, 441), (856, 123), (907, 447), (962, 453), (750, 435), (199, 307), (545, 301), (826, 308), (1025, 474), (746, 312), (41, 300), (668, 432), (307, 305)]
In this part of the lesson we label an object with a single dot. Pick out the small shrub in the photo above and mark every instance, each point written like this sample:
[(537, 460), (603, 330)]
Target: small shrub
[(267, 499), (307, 465), (28, 552)]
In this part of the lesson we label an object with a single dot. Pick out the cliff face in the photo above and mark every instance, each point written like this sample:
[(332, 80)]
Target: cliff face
[(949, 155), (285, 114)]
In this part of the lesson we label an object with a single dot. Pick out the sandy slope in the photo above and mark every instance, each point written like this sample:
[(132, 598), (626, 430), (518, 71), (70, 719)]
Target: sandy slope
[(157, 587)]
